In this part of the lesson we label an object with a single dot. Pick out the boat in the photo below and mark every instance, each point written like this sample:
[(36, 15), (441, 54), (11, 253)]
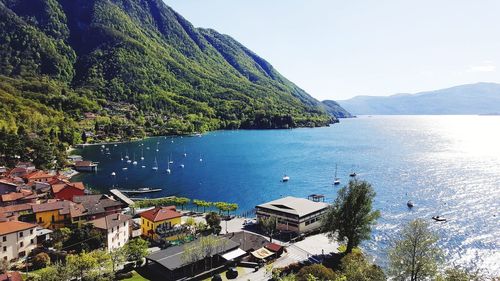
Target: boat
[(409, 204), (124, 168), (143, 166), (126, 155), (168, 166), (336, 181), (157, 149), (155, 167), (135, 162), (142, 154), (185, 154), (115, 145), (113, 174), (121, 156), (181, 165), (353, 173), (103, 146), (438, 218), (285, 178), (201, 159), (172, 141)]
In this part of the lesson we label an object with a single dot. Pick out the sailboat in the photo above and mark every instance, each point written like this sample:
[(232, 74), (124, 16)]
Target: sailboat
[(172, 141), (121, 156), (155, 167), (181, 165), (135, 162), (142, 154), (126, 154), (336, 181), (201, 159), (157, 149), (185, 154), (168, 166), (170, 161)]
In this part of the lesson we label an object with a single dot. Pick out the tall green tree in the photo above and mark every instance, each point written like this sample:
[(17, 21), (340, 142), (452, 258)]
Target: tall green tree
[(136, 249), (351, 216), (269, 225), (415, 255), (213, 220)]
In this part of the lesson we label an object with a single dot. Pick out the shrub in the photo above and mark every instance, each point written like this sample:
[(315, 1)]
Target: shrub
[(317, 270), (41, 260)]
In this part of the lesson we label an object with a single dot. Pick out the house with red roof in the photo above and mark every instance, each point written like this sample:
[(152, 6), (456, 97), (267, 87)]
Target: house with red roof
[(159, 219), (38, 176), (18, 239), (21, 197), (67, 190), (115, 228)]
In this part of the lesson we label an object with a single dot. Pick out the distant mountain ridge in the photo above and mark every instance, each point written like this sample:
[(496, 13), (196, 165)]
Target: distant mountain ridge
[(478, 98)]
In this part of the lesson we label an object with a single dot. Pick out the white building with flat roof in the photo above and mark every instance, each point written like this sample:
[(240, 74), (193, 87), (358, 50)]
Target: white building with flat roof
[(299, 215)]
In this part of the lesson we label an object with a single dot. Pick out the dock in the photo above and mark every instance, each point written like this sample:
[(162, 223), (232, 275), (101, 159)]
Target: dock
[(122, 197), (136, 191)]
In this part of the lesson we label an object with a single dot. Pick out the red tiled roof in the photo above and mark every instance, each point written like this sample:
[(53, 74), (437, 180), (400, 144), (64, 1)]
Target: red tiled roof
[(273, 247), (11, 276), (56, 188), (14, 226), (12, 196), (38, 175), (110, 221), (17, 171), (161, 214)]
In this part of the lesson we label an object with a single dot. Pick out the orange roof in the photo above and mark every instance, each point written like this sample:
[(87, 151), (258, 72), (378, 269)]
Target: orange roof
[(38, 175), (14, 226), (56, 188), (11, 276), (13, 196), (161, 214)]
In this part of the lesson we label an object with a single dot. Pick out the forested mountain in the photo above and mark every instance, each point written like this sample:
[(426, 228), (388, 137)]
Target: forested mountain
[(334, 109), (479, 98), (139, 67)]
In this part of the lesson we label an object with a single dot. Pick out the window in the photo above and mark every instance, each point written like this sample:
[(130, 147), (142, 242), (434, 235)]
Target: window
[(40, 220), (21, 244), (31, 231), (32, 241), (4, 248), (4, 239), (53, 218), (21, 234)]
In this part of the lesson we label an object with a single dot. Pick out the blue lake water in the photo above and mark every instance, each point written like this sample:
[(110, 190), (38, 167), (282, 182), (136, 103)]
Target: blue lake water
[(448, 165)]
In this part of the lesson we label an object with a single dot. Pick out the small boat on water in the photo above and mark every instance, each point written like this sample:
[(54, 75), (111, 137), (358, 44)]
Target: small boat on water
[(409, 204), (124, 168), (113, 174), (168, 167), (285, 178), (142, 154), (135, 162), (336, 180), (181, 165), (155, 167), (143, 166), (438, 218)]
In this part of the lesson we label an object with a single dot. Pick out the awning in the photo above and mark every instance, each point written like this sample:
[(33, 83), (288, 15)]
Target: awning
[(234, 254), (262, 253)]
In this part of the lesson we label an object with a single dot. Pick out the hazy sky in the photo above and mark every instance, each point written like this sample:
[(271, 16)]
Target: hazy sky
[(340, 49)]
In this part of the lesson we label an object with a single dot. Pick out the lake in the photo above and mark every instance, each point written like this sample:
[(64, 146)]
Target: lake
[(447, 165)]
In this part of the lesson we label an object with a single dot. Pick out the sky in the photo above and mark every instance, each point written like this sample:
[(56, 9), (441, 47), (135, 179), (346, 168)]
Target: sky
[(341, 49)]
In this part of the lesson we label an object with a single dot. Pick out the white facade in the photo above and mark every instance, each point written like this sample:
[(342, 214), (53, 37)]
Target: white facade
[(17, 244), (118, 236)]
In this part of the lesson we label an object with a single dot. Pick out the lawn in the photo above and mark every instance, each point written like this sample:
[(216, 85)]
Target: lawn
[(241, 271), (135, 277)]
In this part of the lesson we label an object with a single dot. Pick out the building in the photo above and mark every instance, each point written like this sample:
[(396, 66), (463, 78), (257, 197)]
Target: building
[(38, 176), (11, 276), (159, 219), (67, 190), (97, 206), (17, 239), (172, 264), (116, 228), (15, 198), (54, 215), (294, 214), (85, 166)]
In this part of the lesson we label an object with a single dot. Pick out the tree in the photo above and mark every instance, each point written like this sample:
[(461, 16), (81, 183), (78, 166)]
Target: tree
[(269, 225), (460, 274), (213, 220), (181, 201), (136, 249), (355, 267), (415, 255), (60, 236), (83, 264), (85, 238), (351, 216), (41, 260), (319, 271), (221, 206)]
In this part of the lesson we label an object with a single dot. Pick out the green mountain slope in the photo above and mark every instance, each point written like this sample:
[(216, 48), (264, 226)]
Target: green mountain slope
[(334, 109), (142, 68)]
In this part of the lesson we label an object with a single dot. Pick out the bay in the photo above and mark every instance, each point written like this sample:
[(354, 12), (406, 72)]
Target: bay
[(447, 165)]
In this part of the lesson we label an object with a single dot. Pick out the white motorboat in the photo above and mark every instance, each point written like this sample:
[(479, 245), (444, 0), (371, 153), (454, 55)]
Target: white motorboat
[(285, 178)]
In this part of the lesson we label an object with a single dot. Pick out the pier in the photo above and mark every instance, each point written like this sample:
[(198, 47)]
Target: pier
[(122, 197), (136, 191)]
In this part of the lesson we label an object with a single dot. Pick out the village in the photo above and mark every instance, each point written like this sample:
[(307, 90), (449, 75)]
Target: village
[(46, 219)]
